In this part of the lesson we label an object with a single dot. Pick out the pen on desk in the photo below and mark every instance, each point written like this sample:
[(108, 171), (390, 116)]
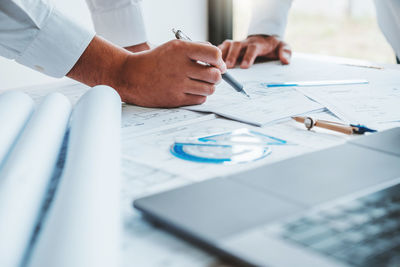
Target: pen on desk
[(364, 66), (334, 126), (226, 76), (315, 83)]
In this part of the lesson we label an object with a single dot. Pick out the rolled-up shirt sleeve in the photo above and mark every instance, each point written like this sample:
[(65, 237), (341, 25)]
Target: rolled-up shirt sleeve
[(119, 21), (389, 21), (269, 17), (35, 34)]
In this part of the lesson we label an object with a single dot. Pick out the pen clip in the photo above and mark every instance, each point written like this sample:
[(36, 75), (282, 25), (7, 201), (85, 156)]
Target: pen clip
[(180, 35)]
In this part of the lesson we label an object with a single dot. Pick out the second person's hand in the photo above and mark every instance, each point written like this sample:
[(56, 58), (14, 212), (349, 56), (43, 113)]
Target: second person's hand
[(245, 52)]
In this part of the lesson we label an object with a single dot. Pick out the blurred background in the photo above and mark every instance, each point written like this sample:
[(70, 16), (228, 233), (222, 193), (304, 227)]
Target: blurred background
[(345, 28)]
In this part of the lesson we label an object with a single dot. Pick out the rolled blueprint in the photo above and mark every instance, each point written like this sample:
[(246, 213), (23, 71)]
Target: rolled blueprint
[(83, 225), (15, 110), (26, 173)]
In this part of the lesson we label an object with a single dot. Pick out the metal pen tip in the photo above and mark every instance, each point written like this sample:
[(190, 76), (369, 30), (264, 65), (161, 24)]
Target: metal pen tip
[(245, 93)]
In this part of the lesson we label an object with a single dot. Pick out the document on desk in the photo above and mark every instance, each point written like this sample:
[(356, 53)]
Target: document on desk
[(83, 224), (135, 120), (139, 120), (149, 167), (155, 147), (366, 104), (25, 176), (266, 105)]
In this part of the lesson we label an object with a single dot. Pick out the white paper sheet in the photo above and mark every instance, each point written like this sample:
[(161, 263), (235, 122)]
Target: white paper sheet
[(139, 120), (25, 175), (154, 148), (365, 104), (83, 225), (270, 105), (15, 110), (266, 105)]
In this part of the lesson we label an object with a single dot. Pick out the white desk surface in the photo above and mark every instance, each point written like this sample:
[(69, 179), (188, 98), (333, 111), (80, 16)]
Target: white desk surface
[(148, 166)]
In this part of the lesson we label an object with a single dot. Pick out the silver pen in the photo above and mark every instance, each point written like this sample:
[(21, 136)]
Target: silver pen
[(226, 76)]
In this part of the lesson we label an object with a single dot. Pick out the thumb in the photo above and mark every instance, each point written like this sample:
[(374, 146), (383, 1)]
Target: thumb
[(284, 53)]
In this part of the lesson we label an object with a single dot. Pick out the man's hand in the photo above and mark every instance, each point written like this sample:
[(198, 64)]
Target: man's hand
[(138, 48), (245, 52), (167, 76)]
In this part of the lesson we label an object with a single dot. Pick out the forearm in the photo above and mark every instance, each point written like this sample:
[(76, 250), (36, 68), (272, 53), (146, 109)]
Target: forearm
[(138, 48), (37, 35), (100, 63)]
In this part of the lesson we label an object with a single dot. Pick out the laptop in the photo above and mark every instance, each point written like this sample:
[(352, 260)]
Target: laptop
[(335, 207)]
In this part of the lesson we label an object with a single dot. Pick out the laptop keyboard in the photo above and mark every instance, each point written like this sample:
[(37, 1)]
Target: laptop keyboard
[(362, 232)]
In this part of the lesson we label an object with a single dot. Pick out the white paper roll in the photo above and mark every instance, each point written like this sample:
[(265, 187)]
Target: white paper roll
[(26, 173), (15, 110), (83, 225)]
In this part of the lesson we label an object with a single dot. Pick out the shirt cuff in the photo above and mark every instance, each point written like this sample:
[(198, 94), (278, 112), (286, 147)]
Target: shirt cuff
[(269, 17), (123, 26), (57, 46), (267, 28)]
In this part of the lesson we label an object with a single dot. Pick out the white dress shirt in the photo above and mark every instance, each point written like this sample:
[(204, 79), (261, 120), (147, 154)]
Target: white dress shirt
[(388, 13), (270, 17), (119, 21), (37, 35)]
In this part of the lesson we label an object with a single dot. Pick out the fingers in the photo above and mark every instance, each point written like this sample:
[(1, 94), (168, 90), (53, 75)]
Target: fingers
[(190, 100), (224, 47), (268, 44), (285, 53), (233, 54), (201, 80), (194, 93), (205, 42), (206, 53), (250, 56), (199, 88), (204, 73), (268, 47)]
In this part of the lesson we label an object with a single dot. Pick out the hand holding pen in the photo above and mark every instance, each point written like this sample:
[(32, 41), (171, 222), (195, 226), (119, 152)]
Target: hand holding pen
[(226, 76), (169, 75)]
